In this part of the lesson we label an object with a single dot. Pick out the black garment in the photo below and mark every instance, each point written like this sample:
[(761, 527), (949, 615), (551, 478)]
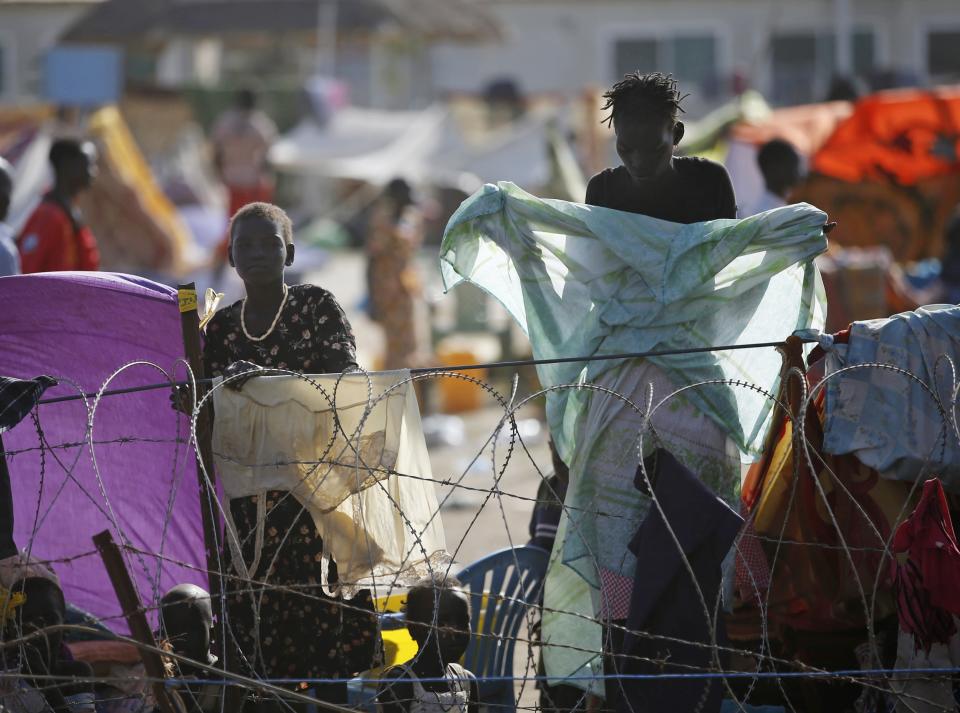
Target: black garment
[(698, 190), (665, 601), (545, 517), (18, 397)]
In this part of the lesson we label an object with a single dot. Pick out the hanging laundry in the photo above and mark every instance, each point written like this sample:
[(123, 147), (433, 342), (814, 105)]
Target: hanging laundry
[(351, 450), (928, 602), (928, 590), (823, 522), (582, 280), (896, 424), (691, 527)]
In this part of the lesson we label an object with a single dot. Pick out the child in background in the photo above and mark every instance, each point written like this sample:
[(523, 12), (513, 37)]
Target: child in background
[(782, 169), (45, 656), (186, 621), (438, 619)]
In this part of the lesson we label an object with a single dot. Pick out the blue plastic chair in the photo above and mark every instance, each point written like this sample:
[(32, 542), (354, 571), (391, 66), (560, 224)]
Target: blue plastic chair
[(502, 586), (512, 581)]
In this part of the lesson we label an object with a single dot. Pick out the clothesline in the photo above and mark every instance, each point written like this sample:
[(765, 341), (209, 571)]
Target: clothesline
[(460, 367), (696, 675)]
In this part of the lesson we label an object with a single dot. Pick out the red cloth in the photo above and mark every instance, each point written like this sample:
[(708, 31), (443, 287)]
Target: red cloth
[(929, 583), (52, 241), (752, 571)]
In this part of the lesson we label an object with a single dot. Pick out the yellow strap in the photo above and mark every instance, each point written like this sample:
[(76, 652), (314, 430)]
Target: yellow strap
[(187, 300)]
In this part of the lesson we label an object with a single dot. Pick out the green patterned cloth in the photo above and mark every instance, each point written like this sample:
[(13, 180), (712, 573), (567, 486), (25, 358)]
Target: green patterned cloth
[(583, 280)]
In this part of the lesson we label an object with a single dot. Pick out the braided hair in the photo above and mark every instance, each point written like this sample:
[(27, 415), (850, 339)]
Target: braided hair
[(647, 93)]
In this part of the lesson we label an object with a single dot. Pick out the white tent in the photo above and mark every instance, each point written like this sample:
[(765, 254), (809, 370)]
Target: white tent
[(425, 147)]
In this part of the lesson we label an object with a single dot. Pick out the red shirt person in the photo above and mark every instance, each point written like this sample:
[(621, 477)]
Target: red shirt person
[(54, 237)]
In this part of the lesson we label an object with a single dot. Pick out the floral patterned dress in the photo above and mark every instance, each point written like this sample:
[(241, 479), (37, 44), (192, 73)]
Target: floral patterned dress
[(284, 625)]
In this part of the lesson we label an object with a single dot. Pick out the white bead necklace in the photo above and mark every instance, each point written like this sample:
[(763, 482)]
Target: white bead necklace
[(273, 324)]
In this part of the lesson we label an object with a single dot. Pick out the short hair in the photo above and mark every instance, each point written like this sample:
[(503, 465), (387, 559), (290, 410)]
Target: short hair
[(63, 150), (268, 211), (655, 93), (423, 597), (776, 153)]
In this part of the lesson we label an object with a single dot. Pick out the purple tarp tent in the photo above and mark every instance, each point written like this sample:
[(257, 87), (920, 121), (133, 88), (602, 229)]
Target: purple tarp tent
[(138, 478)]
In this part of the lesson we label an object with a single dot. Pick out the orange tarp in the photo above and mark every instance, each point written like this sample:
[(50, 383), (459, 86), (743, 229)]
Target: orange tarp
[(905, 136), (886, 168)]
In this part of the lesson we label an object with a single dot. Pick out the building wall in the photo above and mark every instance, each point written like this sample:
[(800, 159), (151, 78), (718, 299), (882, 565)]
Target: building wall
[(27, 31), (560, 46)]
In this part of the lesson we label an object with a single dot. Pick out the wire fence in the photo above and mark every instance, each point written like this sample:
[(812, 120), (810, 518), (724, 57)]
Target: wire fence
[(819, 527)]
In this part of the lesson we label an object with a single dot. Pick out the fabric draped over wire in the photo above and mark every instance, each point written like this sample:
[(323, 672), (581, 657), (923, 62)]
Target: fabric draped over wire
[(351, 450), (898, 425), (582, 280)]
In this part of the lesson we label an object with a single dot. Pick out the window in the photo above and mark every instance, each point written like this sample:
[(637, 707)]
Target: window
[(943, 54), (804, 63), (691, 58)]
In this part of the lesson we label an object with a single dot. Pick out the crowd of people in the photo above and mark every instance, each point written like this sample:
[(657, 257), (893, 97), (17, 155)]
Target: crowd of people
[(296, 630)]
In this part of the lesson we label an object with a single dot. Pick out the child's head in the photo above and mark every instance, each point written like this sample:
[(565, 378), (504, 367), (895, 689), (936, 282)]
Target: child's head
[(644, 111), (261, 243), (781, 166), (186, 620), (44, 607), (438, 617)]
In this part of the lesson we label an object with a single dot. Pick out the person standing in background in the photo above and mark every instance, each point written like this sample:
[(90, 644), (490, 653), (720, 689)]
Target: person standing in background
[(396, 233), (241, 138), (55, 237), (782, 168), (9, 257)]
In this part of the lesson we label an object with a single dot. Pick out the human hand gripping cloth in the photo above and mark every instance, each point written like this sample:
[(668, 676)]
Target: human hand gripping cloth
[(582, 280), (350, 448)]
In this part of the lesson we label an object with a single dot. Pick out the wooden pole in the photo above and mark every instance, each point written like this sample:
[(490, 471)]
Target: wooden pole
[(190, 327), (136, 619)]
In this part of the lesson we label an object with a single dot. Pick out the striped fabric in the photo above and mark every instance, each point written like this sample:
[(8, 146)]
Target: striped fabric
[(19, 396)]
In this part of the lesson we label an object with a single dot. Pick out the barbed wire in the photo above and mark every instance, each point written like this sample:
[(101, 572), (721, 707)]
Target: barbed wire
[(768, 665)]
